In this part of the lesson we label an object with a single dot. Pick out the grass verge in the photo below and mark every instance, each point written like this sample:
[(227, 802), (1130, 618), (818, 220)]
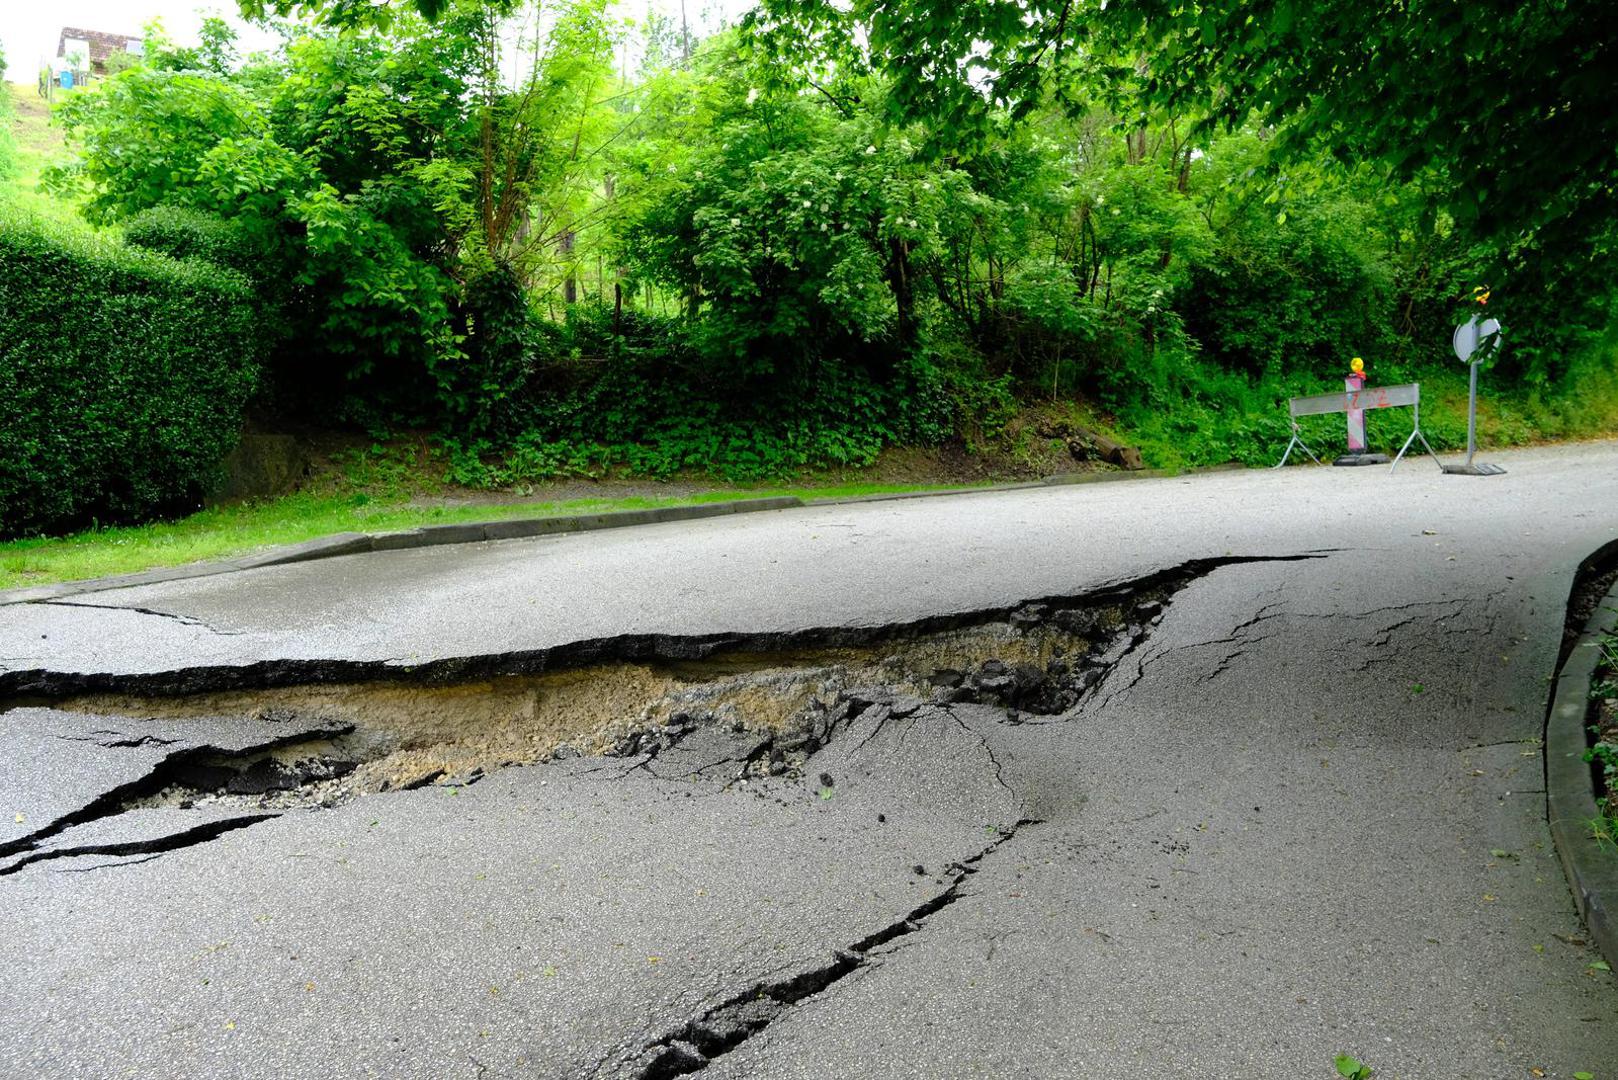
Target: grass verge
[(222, 532)]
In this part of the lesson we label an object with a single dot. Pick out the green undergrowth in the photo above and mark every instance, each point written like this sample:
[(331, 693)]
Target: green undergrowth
[(1204, 416), (1193, 416), (1603, 752), (383, 486), (226, 531)]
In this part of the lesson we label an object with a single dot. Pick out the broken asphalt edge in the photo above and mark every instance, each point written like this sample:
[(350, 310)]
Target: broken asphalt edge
[(41, 686), (1570, 801), (353, 543)]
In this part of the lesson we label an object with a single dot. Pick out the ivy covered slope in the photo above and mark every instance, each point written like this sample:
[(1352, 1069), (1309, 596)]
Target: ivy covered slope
[(124, 375)]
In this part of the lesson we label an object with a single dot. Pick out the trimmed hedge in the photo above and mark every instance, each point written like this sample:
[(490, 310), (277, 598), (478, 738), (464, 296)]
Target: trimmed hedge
[(123, 375), (181, 233)]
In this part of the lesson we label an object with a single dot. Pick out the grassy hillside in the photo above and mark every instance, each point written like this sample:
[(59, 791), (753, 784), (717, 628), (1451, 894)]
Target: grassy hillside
[(37, 143)]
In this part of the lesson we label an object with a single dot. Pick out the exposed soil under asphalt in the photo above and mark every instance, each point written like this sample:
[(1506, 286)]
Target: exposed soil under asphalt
[(1038, 661), (741, 709)]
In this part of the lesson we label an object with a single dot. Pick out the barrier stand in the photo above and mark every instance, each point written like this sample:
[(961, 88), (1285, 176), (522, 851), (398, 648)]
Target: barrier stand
[(1376, 397), (1297, 440), (1415, 432)]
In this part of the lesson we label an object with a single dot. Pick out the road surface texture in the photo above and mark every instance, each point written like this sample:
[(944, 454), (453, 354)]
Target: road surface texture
[(1219, 776)]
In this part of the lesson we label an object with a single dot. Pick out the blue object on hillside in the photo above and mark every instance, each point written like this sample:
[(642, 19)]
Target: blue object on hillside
[(67, 80)]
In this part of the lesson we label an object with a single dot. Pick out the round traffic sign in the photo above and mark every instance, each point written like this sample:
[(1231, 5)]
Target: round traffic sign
[(1475, 334)]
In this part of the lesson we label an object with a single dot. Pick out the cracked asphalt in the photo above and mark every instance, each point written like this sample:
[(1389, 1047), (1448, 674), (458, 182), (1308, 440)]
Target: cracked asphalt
[(1301, 815)]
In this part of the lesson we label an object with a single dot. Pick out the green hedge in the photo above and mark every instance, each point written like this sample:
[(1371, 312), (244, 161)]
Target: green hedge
[(181, 233), (124, 375)]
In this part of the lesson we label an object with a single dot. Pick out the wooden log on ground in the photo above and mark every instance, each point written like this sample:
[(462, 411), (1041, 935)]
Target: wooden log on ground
[(1125, 457)]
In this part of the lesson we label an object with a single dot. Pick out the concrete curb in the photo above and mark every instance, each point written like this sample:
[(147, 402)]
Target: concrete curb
[(327, 547), (1058, 480), (1592, 871)]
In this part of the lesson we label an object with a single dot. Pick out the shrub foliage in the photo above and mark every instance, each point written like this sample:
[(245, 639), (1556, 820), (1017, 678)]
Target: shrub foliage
[(124, 375), (475, 216)]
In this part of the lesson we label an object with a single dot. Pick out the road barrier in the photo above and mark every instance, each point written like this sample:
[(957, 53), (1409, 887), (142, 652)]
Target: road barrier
[(1373, 397)]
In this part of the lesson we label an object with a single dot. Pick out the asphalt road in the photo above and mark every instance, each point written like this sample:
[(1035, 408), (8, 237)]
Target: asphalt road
[(1301, 815)]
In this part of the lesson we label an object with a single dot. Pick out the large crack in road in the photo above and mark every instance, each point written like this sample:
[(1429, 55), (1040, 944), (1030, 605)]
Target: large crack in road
[(160, 763), (840, 796), (748, 712), (42, 685), (451, 724), (718, 1030), (188, 837)]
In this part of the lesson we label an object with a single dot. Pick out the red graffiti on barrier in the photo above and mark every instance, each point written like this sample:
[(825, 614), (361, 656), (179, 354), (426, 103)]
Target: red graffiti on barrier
[(1379, 401)]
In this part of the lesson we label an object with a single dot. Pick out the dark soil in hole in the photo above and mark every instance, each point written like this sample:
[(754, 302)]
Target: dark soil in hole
[(1595, 579), (1596, 576)]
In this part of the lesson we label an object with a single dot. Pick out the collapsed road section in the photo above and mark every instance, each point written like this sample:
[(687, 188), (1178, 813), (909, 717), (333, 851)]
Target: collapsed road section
[(987, 845), (303, 735)]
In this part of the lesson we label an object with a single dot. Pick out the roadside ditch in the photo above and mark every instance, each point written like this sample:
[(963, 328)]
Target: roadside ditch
[(1593, 583)]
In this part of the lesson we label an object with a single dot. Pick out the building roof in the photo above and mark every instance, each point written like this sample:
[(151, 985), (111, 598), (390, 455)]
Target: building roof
[(102, 44)]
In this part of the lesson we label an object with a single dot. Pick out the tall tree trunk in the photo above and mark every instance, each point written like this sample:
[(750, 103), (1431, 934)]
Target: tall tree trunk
[(570, 284), (1135, 146), (904, 293), (609, 189)]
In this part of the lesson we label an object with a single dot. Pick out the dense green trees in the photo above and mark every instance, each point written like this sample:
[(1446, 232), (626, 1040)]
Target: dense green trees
[(422, 197), (572, 246), (1506, 106), (374, 179), (1500, 113)]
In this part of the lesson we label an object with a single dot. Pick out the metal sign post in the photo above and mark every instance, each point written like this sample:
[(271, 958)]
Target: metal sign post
[(1475, 341)]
